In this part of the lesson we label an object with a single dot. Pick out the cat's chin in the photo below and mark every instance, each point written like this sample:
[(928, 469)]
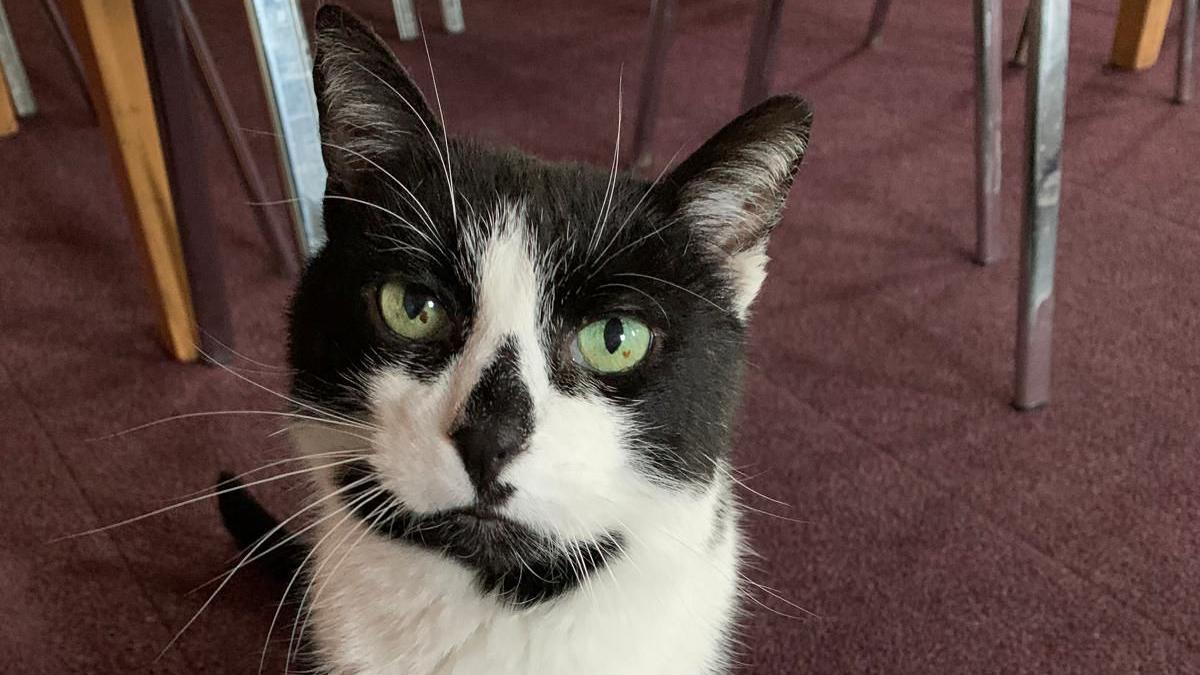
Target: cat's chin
[(517, 563)]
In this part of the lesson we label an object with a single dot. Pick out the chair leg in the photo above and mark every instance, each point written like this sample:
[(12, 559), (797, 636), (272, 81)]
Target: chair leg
[(1138, 37), (406, 19), (1021, 53), (106, 35), (275, 232), (8, 112), (988, 62), (14, 70), (1185, 77), (281, 44), (452, 16), (67, 44), (662, 14), (174, 86), (1045, 98), (763, 41), (879, 15)]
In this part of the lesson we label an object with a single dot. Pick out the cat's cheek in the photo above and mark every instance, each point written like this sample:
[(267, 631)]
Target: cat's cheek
[(415, 460), (576, 474)]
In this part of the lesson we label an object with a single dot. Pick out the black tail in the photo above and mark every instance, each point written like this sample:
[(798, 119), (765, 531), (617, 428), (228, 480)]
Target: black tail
[(250, 523)]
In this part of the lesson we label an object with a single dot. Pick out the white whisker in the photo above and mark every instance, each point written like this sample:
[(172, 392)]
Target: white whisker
[(239, 566), (186, 502), (216, 413), (673, 285), (445, 134)]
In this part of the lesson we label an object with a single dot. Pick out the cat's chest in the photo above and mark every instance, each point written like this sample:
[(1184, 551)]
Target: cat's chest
[(397, 610)]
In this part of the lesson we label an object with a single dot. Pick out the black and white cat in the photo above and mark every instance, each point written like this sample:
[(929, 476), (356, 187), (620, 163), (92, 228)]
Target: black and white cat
[(529, 372)]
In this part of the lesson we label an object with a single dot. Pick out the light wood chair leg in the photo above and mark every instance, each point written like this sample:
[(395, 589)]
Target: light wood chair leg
[(107, 37), (8, 112), (1141, 25)]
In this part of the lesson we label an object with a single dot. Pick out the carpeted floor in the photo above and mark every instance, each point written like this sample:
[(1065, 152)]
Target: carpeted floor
[(939, 531)]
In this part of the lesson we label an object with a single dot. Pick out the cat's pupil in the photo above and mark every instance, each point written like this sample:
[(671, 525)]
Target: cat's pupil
[(614, 335), (417, 303)]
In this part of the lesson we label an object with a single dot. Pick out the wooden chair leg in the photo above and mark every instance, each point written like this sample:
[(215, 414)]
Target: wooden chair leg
[(1141, 25), (8, 112), (107, 38)]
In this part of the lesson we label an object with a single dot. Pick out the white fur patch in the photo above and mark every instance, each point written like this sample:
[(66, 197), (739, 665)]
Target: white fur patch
[(735, 204)]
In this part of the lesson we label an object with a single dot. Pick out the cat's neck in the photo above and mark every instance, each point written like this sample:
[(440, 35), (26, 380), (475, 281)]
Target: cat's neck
[(664, 606)]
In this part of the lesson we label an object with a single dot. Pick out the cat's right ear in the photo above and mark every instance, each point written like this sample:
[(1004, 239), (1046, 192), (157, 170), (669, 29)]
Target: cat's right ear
[(731, 191), (368, 104)]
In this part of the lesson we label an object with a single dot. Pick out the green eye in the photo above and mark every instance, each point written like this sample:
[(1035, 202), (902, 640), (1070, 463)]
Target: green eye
[(412, 311), (613, 344)]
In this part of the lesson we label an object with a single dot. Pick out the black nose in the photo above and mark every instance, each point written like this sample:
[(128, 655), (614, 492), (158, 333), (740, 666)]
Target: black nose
[(494, 425)]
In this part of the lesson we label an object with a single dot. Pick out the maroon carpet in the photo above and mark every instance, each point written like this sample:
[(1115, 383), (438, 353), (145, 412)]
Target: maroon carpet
[(931, 529)]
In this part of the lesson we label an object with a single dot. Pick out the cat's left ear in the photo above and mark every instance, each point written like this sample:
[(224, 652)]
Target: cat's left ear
[(368, 104), (732, 190)]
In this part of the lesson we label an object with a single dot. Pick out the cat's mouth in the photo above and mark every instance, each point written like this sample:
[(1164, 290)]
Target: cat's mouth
[(510, 558), (479, 514)]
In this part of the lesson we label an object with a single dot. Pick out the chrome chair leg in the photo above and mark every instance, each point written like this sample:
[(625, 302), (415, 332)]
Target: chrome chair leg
[(14, 70), (988, 63), (1045, 96), (406, 19), (1185, 74)]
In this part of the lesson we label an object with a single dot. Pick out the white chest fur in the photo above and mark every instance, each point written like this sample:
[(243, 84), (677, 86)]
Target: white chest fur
[(665, 607)]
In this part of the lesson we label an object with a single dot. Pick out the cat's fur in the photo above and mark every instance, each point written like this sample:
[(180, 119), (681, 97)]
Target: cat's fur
[(606, 542)]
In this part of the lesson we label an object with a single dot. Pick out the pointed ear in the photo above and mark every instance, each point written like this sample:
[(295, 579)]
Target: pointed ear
[(368, 104), (731, 191)]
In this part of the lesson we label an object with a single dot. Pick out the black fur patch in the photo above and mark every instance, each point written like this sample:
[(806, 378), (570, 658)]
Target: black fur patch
[(519, 565), (495, 424)]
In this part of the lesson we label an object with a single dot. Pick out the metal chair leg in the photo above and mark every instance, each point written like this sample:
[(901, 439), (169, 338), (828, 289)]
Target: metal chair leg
[(879, 15), (174, 86), (406, 19), (662, 15), (276, 234), (762, 53), (1021, 53), (1046, 85), (452, 16), (1185, 77), (988, 62), (14, 70), (282, 46)]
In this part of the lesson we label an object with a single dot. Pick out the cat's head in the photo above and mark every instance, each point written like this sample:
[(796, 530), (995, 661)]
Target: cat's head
[(548, 356)]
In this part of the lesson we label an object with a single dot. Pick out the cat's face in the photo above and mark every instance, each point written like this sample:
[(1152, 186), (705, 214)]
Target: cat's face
[(548, 356)]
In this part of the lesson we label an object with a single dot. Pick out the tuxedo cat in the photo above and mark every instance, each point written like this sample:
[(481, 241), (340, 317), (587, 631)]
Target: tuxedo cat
[(521, 377)]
